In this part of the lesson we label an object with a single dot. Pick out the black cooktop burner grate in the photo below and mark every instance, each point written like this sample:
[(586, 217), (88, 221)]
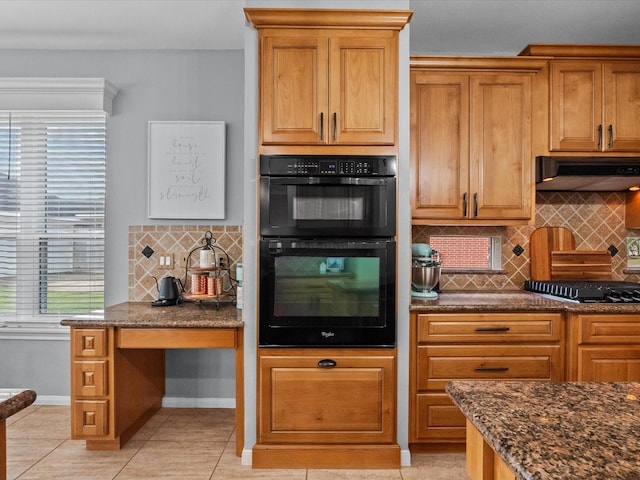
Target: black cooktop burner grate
[(587, 291)]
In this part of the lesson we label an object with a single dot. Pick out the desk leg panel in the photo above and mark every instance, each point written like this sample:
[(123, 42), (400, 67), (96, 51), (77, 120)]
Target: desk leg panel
[(139, 380)]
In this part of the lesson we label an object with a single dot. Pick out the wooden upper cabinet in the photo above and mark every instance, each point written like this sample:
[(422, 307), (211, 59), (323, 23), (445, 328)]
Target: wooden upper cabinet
[(471, 142), (319, 90), (328, 78), (440, 144), (294, 93), (594, 97), (622, 106), (595, 106)]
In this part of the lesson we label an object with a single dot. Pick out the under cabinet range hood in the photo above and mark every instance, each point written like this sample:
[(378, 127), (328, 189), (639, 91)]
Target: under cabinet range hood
[(587, 174)]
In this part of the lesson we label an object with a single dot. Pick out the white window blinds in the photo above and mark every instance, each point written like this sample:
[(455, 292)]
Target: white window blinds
[(52, 202)]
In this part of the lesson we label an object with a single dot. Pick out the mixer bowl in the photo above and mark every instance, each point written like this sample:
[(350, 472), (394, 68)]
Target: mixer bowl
[(423, 279)]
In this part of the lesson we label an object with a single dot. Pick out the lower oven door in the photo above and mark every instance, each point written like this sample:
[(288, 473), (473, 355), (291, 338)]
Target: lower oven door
[(327, 292)]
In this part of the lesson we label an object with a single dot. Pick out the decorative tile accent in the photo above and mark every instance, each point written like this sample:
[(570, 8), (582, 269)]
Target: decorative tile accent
[(518, 250), (595, 218), (173, 239)]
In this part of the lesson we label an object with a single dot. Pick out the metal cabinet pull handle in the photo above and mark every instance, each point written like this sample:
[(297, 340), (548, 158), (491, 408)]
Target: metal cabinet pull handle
[(610, 137), (321, 126), (335, 126), (475, 204), (492, 329), (465, 199), (327, 363), (492, 369), (600, 137)]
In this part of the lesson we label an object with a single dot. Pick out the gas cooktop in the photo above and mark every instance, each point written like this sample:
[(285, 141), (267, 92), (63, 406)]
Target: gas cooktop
[(587, 291)]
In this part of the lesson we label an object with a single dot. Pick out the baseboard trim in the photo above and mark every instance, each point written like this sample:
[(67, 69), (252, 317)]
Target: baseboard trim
[(168, 402), (52, 400), (206, 402), (405, 458)]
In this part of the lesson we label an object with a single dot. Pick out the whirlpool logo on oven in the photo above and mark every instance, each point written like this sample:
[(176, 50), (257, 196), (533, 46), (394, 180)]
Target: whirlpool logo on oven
[(327, 334)]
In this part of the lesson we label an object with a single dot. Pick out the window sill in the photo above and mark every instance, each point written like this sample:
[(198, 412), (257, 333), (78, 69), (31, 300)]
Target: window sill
[(33, 332), (472, 271)]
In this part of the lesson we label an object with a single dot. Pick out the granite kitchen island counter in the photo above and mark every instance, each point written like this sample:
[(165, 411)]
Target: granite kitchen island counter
[(552, 430)]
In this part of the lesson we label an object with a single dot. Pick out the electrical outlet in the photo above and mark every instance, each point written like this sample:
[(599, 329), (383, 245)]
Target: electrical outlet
[(183, 259), (165, 261)]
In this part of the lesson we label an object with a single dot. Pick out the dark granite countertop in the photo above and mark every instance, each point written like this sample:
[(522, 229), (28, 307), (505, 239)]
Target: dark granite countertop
[(143, 315), (510, 301), (15, 401), (557, 430)]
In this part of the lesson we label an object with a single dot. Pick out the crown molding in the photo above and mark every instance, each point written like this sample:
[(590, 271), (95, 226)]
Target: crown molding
[(57, 94)]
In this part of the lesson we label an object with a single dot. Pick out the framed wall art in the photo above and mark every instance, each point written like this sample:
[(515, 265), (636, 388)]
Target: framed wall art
[(186, 170)]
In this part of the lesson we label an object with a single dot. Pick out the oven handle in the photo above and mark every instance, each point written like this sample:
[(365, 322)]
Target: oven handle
[(329, 181), (278, 246)]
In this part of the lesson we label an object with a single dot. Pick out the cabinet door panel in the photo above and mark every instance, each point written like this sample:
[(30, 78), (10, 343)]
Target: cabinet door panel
[(439, 144), (576, 106), (622, 106), (609, 364), (89, 342), (350, 402), (501, 147), (294, 90), (90, 378), (438, 418), (362, 81)]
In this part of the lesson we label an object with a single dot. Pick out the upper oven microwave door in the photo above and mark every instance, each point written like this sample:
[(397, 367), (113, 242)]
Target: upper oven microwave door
[(327, 206), (305, 303)]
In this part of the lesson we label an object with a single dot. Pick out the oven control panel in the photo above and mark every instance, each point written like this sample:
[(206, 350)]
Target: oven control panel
[(315, 165)]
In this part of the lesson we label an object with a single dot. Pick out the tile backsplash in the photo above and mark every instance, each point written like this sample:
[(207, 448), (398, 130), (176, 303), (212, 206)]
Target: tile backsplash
[(596, 220), (173, 239)]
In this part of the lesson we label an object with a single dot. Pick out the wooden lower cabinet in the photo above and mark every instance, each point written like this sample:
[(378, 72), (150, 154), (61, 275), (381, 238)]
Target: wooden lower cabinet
[(137, 388), (473, 346), (604, 347), (326, 408)]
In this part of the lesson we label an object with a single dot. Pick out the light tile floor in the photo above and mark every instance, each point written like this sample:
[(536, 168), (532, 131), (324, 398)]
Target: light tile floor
[(176, 443)]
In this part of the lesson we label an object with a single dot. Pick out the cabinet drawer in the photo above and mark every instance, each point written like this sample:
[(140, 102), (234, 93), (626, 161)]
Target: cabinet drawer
[(438, 419), (90, 378), (303, 402), (609, 329), (439, 364), (89, 342), (89, 418), (489, 328)]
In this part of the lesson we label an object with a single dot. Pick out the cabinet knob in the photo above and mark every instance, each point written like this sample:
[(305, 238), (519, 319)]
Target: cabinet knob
[(327, 363)]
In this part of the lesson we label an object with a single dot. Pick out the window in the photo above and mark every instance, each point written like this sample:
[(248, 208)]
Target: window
[(52, 199), (468, 252)]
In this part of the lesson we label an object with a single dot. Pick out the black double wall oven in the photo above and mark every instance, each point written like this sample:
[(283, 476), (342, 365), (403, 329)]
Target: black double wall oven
[(327, 251)]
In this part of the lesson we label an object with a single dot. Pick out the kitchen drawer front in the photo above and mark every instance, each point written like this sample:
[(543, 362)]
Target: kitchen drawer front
[(303, 402), (439, 364), (610, 329), (89, 342), (438, 419), (89, 418), (609, 364), (90, 378), (489, 328)]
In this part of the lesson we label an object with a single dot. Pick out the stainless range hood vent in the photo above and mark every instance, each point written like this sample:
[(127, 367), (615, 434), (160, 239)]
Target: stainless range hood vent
[(587, 174)]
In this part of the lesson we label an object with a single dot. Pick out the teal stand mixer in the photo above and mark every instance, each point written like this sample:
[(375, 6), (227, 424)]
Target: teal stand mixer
[(425, 271)]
